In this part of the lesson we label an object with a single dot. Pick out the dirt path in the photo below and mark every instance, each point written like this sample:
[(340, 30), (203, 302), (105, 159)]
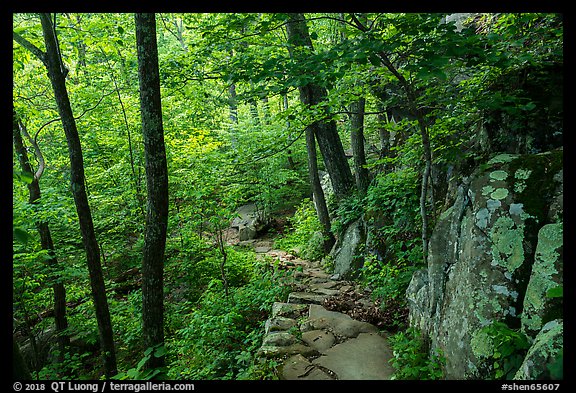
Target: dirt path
[(313, 342)]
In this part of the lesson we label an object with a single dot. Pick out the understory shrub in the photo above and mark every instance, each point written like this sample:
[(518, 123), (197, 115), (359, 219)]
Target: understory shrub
[(306, 237), (411, 357), (221, 336)]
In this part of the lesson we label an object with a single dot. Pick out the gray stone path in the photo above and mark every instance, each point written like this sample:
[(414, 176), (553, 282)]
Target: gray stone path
[(314, 343)]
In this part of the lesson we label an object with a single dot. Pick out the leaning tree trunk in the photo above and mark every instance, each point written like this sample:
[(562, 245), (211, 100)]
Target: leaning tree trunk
[(157, 185), (324, 129), (357, 142), (57, 74), (46, 242), (317, 192)]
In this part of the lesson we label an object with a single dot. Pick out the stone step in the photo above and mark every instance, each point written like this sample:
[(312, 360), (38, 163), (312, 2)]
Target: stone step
[(364, 357), (289, 310), (306, 298)]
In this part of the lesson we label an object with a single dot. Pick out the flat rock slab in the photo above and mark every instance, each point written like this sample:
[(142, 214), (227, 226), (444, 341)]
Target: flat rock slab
[(362, 358), (319, 340), (339, 323), (298, 367)]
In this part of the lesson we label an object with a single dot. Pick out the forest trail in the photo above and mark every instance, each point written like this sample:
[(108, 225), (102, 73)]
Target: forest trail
[(313, 341)]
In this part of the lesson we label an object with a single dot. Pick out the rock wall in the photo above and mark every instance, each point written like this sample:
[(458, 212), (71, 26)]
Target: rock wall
[(493, 255)]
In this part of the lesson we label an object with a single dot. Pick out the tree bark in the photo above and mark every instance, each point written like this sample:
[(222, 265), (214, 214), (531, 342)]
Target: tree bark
[(357, 142), (57, 74), (46, 242), (325, 130), (157, 186), (318, 193)]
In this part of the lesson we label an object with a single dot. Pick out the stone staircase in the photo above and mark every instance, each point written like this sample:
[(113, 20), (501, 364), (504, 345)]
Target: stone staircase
[(313, 343)]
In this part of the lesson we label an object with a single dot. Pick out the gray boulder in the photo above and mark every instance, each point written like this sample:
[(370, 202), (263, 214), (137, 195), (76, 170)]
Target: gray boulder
[(544, 353), (481, 255), (249, 221), (348, 250), (547, 272)]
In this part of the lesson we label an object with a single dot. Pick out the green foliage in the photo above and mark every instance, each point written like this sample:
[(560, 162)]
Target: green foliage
[(388, 280), (499, 70), (141, 373), (508, 346), (306, 235), (348, 210), (395, 199), (73, 367), (393, 213), (218, 340), (556, 367), (411, 358), (555, 292)]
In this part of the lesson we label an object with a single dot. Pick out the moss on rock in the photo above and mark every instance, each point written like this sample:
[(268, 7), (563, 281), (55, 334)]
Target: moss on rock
[(546, 274)]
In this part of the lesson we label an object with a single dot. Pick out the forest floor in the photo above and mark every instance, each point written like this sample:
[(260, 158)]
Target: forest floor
[(328, 329)]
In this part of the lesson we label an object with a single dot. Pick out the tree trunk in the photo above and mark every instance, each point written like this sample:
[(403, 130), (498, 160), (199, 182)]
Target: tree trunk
[(291, 163), (325, 130), (233, 115), (317, 192), (357, 142), (47, 244), (57, 74), (157, 186)]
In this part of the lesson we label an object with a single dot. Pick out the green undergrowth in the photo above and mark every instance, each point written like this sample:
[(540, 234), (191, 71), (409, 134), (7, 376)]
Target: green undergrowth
[(219, 338), (412, 360), (305, 235)]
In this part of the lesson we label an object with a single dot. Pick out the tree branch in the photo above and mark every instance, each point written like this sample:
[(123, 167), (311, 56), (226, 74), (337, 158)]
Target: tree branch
[(37, 151), (30, 46)]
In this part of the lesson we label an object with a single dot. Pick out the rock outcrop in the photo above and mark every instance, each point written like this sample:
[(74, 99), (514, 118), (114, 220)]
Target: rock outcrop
[(493, 256), (248, 222)]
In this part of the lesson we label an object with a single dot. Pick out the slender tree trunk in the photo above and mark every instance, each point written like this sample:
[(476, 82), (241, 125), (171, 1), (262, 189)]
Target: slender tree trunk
[(135, 176), (233, 115), (357, 142), (291, 163), (157, 185), (46, 242), (325, 130), (317, 192), (57, 74), (254, 109)]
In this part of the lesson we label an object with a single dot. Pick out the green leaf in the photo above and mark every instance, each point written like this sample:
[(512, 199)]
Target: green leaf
[(555, 292), (23, 176), (375, 60), (120, 30), (141, 363), (21, 235), (160, 351)]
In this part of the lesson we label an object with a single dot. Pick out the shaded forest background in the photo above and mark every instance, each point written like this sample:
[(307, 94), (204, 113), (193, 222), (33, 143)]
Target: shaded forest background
[(393, 109)]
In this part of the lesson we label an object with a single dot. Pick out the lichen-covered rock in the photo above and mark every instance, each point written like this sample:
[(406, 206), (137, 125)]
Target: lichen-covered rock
[(481, 254), (544, 353), (546, 274), (346, 252)]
